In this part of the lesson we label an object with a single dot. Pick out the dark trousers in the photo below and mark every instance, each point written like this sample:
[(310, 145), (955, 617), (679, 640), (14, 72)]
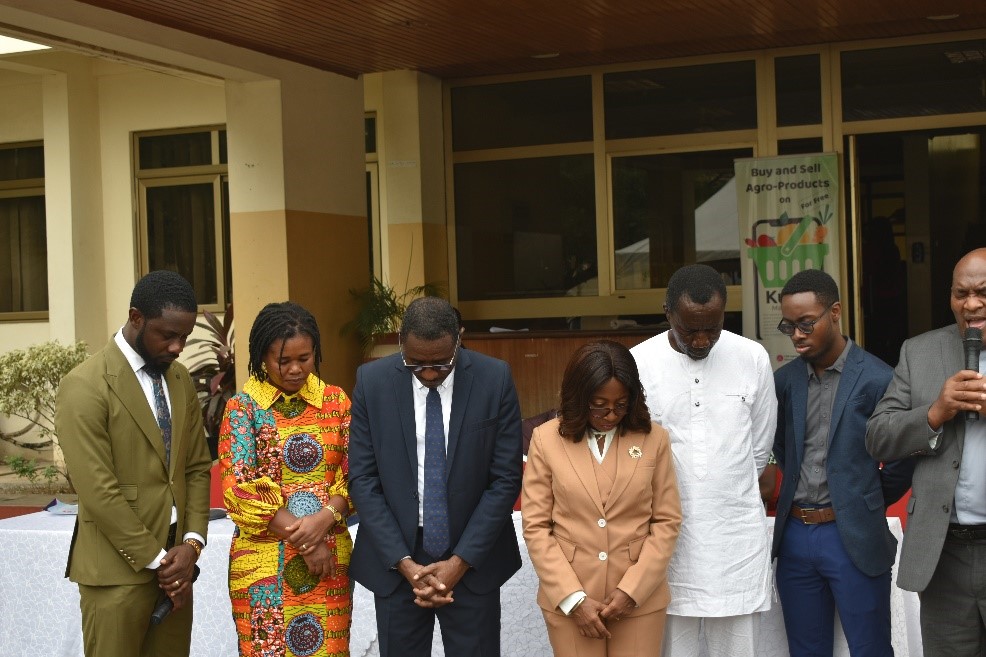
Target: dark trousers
[(815, 576), (470, 625), (953, 605)]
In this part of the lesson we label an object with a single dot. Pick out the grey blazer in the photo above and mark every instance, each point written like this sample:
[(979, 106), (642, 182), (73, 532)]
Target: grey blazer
[(899, 428)]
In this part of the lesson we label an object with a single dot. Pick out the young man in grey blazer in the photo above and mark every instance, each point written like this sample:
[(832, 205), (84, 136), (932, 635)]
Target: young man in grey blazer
[(924, 414)]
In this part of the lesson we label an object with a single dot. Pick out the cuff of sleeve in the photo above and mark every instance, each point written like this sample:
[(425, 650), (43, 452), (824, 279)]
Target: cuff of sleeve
[(398, 562), (572, 601), (154, 565), (196, 536), (935, 438)]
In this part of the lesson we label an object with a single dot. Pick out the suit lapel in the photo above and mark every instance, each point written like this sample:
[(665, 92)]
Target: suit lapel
[(799, 408), (847, 382), (461, 387), (404, 393), (122, 380), (953, 360), (626, 465), (581, 460), (177, 414)]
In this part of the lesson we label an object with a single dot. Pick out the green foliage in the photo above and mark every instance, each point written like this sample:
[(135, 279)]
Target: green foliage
[(29, 380), (214, 372), (30, 470), (381, 309)]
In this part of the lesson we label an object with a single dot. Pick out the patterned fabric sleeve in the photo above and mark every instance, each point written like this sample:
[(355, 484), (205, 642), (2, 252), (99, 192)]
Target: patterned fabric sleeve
[(340, 483), (252, 497)]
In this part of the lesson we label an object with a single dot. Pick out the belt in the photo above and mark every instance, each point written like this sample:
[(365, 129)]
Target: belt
[(966, 532), (172, 535), (813, 516)]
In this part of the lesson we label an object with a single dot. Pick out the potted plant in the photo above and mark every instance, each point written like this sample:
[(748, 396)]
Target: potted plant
[(29, 380), (381, 309), (214, 372)]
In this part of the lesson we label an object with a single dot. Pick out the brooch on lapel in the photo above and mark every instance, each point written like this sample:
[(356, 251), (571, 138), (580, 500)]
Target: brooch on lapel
[(635, 452)]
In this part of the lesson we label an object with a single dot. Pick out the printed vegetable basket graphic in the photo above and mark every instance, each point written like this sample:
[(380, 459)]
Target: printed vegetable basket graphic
[(799, 244)]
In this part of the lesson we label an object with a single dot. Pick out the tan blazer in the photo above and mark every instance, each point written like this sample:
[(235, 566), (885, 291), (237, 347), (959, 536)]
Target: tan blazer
[(115, 456), (576, 544)]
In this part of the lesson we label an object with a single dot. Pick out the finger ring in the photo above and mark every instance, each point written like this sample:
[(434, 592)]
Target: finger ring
[(177, 582), (304, 547)]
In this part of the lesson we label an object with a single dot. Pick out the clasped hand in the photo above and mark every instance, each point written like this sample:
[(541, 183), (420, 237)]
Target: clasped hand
[(592, 616), (175, 573), (433, 584)]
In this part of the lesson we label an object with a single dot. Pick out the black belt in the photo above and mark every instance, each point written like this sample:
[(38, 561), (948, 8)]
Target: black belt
[(172, 535), (966, 532)]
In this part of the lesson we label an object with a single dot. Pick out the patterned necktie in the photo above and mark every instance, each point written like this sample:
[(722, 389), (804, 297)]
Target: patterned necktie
[(436, 539), (600, 441), (161, 411)]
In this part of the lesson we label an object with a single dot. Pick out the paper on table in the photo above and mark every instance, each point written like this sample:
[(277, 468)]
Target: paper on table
[(62, 508)]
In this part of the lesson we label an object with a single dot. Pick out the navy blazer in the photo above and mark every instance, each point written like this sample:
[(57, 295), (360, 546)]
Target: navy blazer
[(484, 471), (860, 490)]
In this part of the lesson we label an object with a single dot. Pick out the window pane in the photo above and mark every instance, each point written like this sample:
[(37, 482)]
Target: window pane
[(799, 146), (522, 113), (370, 134), (798, 81), (526, 228), (674, 210), (223, 157), (681, 100), (181, 235), (181, 150), (940, 78), (23, 255), (22, 163)]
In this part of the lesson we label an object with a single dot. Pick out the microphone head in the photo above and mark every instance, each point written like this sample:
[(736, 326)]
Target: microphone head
[(974, 334)]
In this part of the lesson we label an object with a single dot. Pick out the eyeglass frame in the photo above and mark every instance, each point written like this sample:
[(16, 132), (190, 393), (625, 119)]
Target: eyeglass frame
[(806, 328), (618, 412), (440, 367)]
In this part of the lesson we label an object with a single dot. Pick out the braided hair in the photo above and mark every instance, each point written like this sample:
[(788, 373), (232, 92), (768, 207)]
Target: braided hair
[(280, 321)]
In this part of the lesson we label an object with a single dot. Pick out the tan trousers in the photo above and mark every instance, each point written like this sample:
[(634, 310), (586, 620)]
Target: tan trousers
[(635, 636), (116, 623)]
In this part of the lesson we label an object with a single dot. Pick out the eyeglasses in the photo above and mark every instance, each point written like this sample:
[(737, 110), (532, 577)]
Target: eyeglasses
[(440, 367), (599, 413), (806, 328)]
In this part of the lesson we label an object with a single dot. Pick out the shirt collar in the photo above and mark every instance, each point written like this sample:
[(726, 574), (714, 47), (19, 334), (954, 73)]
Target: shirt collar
[(443, 387), (136, 361), (838, 365), (266, 393)]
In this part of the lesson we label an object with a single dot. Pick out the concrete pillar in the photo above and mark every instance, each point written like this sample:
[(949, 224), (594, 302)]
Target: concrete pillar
[(298, 206)]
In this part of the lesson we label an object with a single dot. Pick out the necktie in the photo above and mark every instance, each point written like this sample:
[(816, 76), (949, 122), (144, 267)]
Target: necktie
[(435, 529), (600, 441), (161, 411)]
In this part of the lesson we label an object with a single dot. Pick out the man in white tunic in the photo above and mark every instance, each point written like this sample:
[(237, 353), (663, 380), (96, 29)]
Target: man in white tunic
[(714, 392)]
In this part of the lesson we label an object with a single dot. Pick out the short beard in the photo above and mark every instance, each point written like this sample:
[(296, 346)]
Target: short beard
[(141, 350)]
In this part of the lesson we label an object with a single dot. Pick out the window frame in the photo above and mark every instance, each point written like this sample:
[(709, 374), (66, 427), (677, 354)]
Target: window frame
[(24, 188)]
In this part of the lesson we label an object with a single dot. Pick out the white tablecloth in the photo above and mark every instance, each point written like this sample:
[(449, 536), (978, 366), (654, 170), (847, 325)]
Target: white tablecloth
[(39, 609)]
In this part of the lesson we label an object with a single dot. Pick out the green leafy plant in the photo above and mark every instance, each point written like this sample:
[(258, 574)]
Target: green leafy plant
[(381, 309), (214, 371), (29, 380)]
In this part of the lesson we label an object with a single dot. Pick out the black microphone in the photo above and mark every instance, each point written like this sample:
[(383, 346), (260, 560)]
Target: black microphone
[(165, 606), (972, 343)]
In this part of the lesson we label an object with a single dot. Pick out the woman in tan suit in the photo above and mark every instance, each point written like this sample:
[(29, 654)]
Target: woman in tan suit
[(601, 511)]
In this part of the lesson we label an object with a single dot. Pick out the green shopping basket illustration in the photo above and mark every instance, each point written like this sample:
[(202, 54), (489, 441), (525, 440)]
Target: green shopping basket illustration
[(776, 264)]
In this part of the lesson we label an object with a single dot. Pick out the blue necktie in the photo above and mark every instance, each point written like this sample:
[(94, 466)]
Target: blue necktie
[(161, 411), (436, 540)]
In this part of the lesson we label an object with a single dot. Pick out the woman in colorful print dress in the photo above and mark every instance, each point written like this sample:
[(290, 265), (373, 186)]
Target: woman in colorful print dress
[(283, 448)]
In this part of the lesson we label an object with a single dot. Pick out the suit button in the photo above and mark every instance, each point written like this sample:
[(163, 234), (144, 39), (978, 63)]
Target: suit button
[(603, 556), (601, 522), (955, 464), (944, 507)]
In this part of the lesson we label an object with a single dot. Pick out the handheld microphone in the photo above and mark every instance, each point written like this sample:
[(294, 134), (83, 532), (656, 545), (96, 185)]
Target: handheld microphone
[(972, 343), (165, 606)]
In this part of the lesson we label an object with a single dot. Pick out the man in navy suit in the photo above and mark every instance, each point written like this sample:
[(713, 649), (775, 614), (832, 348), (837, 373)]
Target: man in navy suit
[(431, 545), (831, 540)]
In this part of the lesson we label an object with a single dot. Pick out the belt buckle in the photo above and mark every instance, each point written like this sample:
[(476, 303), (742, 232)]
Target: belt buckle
[(962, 533), (803, 516)]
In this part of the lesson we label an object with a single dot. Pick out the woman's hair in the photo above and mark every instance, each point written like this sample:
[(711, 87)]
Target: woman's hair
[(280, 321), (590, 368)]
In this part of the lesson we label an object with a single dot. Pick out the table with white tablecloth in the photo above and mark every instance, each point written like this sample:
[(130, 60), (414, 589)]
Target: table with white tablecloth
[(39, 608)]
